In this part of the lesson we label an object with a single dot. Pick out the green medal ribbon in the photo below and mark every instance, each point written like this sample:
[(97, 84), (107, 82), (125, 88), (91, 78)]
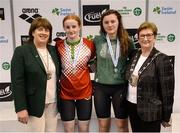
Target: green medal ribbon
[(72, 45)]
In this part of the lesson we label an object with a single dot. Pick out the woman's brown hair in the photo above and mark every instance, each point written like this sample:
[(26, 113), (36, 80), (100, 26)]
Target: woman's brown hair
[(72, 16), (148, 25), (40, 22)]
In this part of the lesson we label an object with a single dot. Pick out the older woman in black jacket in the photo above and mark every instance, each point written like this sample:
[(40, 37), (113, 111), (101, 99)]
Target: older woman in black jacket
[(151, 84), (35, 71)]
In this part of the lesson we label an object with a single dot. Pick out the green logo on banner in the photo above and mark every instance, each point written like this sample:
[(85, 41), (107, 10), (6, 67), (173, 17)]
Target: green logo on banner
[(137, 11), (62, 11), (125, 11), (56, 11), (157, 10), (171, 37), (6, 66)]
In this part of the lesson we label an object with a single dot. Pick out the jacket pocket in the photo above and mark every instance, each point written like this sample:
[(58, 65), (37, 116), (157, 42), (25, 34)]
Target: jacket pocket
[(156, 101)]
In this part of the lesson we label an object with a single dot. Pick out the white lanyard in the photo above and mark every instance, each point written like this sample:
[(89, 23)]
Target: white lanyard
[(114, 58), (74, 61)]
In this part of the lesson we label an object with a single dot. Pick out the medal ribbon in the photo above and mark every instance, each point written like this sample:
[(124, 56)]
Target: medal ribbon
[(114, 58), (49, 74), (74, 61)]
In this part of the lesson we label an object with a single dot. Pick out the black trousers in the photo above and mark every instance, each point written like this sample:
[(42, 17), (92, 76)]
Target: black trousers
[(139, 125)]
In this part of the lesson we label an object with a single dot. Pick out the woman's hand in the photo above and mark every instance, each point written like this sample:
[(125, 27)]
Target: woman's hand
[(166, 124), (23, 116)]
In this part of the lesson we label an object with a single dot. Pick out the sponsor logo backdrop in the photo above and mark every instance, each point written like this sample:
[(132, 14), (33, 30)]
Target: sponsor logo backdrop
[(6, 51), (54, 10), (6, 43), (165, 14)]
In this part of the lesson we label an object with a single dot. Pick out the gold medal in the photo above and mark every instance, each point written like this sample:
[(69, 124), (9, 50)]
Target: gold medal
[(49, 75), (134, 80)]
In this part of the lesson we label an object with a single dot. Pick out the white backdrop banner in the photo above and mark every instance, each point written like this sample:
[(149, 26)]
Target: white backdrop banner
[(133, 13), (6, 43), (6, 51), (164, 14), (54, 11)]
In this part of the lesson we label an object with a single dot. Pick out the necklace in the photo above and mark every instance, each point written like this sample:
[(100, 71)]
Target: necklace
[(46, 64), (133, 79)]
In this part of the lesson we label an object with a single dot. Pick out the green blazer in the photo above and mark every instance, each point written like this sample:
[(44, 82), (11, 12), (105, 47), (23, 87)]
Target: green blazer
[(28, 78)]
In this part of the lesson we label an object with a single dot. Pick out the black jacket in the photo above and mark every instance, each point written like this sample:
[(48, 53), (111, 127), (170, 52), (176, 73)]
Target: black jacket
[(155, 89), (28, 77)]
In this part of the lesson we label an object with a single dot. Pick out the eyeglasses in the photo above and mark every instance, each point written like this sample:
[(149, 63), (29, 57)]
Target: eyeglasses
[(148, 36)]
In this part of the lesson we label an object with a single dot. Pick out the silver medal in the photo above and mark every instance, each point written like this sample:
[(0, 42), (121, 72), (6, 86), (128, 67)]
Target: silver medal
[(115, 70)]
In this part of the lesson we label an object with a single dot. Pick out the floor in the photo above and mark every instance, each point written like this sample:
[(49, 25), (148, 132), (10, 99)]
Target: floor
[(14, 126), (8, 122)]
